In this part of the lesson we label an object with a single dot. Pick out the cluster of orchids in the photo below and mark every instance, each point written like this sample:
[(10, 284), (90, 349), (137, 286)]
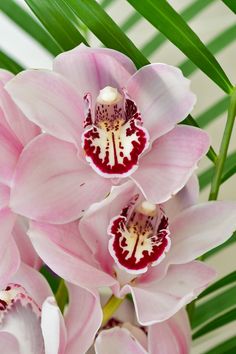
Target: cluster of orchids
[(98, 184)]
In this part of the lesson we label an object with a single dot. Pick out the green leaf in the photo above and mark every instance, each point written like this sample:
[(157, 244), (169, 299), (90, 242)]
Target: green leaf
[(214, 307), (131, 21), (231, 4), (162, 16), (220, 321), (227, 347), (106, 3), (215, 46), (206, 176), (24, 20), (188, 13), (231, 171), (51, 278), (213, 112), (9, 64), (60, 22), (105, 29), (228, 279), (212, 252)]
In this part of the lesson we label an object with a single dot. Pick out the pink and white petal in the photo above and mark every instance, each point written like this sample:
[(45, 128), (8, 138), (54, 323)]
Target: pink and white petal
[(9, 343), (65, 261), (21, 127), (184, 199), (34, 283), (171, 336), (5, 76), (9, 254), (3, 122), (162, 95), (4, 196), (10, 261), (67, 237), (52, 185), (125, 313), (53, 328), (92, 69), (158, 301), (23, 323), (95, 222), (50, 101), (7, 221), (138, 333), (24, 245), (83, 319), (117, 341), (200, 229), (166, 168), (10, 150)]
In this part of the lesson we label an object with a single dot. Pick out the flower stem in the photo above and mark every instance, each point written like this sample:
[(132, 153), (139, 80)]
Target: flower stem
[(219, 166), (216, 181), (110, 308), (61, 295)]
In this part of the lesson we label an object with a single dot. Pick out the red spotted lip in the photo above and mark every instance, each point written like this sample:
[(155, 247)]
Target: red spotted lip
[(129, 262), (115, 149)]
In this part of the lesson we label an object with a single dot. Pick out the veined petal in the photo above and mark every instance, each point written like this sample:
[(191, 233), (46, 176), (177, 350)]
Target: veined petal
[(159, 300), (4, 196), (117, 341), (48, 100), (10, 342), (53, 328), (10, 261), (21, 128), (166, 168), (10, 150), (163, 96), (184, 199), (83, 319), (9, 254), (92, 69), (51, 184), (65, 259), (28, 254), (20, 317), (200, 229), (171, 336), (94, 224), (34, 283)]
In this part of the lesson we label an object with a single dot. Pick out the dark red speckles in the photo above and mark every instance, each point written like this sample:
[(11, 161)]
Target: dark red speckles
[(88, 114), (129, 234), (113, 322), (3, 305), (116, 139)]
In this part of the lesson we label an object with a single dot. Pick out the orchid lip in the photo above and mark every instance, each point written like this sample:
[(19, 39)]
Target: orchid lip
[(114, 139), (139, 236), (15, 293)]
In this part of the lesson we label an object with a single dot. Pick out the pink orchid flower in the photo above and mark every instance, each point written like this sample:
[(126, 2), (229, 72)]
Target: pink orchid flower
[(32, 323), (133, 246), (15, 132), (170, 337), (104, 122), (122, 334)]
